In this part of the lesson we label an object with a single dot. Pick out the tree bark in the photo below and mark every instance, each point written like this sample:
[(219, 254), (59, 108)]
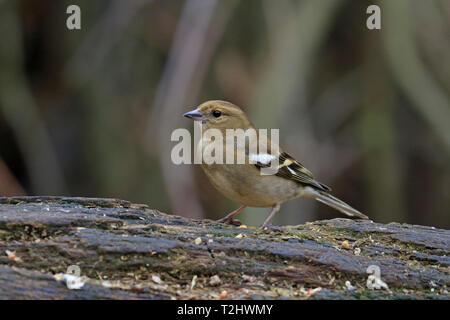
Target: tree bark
[(129, 251)]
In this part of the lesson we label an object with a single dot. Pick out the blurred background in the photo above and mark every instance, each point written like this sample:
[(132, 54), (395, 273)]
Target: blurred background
[(89, 112)]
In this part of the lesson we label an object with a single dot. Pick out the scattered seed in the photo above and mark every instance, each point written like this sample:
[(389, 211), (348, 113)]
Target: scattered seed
[(349, 286), (72, 282), (10, 254), (156, 279), (198, 240), (313, 291), (223, 294), (214, 280), (193, 282)]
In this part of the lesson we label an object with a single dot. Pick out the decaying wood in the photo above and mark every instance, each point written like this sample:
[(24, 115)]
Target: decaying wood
[(129, 251)]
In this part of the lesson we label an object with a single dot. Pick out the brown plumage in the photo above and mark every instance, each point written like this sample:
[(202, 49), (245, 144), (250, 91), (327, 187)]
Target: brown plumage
[(246, 183)]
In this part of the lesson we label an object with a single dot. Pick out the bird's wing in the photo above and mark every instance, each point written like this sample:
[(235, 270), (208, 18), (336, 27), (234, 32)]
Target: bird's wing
[(288, 167), (291, 169)]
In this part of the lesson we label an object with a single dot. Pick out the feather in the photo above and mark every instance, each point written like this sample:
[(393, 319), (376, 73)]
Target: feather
[(291, 169), (335, 203), (262, 159)]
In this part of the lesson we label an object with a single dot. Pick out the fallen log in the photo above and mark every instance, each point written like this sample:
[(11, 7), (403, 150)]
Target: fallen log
[(123, 250)]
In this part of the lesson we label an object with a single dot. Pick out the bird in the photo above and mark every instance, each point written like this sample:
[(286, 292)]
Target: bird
[(245, 182)]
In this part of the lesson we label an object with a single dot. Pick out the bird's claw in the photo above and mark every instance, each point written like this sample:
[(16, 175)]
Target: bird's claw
[(230, 221)]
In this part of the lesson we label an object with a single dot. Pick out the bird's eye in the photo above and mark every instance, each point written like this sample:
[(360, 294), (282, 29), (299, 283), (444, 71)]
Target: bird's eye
[(217, 113)]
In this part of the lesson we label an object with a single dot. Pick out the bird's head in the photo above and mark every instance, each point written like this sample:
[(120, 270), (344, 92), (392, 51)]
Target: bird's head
[(220, 115)]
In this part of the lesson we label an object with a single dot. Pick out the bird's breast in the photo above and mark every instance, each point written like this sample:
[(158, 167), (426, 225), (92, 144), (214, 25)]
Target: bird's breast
[(244, 184)]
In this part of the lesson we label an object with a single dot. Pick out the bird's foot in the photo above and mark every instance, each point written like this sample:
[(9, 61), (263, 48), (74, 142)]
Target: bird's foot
[(230, 221)]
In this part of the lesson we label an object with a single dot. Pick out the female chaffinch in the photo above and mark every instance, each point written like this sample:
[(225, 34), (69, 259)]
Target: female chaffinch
[(245, 183)]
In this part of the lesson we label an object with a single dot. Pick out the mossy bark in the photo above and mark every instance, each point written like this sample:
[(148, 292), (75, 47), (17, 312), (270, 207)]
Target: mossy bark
[(129, 251)]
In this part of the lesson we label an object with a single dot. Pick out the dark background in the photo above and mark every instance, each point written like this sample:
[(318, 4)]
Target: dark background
[(89, 112)]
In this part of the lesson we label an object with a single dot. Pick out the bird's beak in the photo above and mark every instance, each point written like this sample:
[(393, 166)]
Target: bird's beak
[(194, 115)]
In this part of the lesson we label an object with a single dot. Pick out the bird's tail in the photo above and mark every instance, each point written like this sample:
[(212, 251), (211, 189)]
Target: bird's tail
[(335, 203)]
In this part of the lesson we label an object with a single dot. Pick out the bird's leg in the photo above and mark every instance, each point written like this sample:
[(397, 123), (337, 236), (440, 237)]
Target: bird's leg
[(229, 218), (275, 209)]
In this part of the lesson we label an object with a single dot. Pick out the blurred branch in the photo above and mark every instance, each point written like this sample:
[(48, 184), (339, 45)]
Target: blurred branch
[(221, 18), (296, 31), (9, 186), (446, 5), (296, 40), (418, 84), (21, 112), (187, 55), (96, 45), (97, 71), (333, 107), (377, 134), (433, 29)]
